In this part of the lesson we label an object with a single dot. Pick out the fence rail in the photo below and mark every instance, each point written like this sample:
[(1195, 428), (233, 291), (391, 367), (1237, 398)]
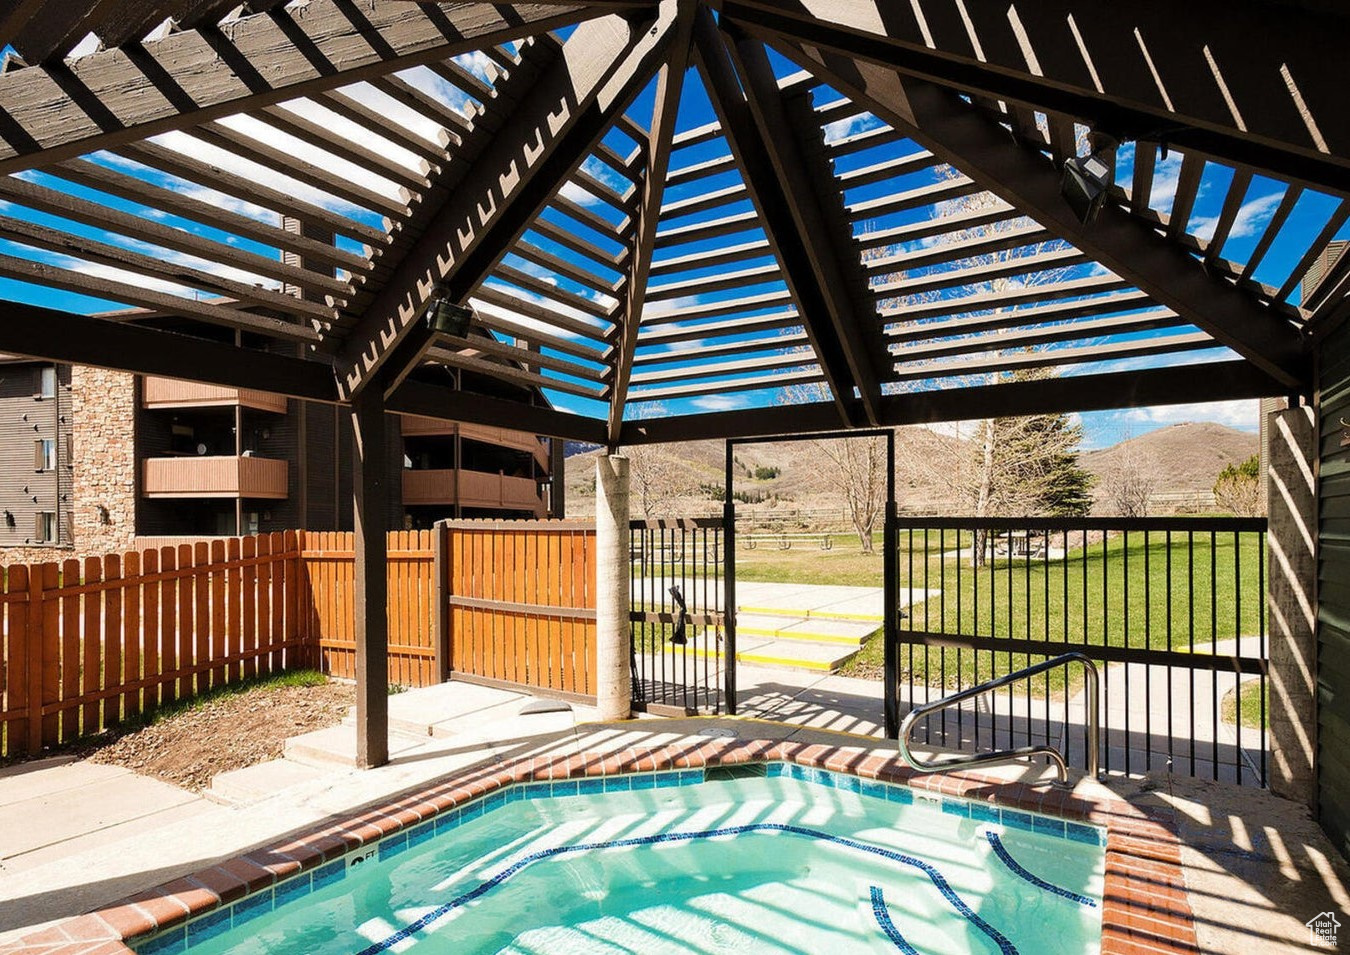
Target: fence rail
[(89, 644), (1175, 607)]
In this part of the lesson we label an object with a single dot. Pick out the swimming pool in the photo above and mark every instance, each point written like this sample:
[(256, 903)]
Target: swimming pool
[(763, 857)]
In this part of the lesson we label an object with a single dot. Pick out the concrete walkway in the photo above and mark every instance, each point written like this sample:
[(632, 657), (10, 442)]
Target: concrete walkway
[(1257, 867)]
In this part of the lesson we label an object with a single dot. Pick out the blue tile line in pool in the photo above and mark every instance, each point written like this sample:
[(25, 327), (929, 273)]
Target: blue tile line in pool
[(934, 876), (1002, 852), (179, 938), (883, 917)]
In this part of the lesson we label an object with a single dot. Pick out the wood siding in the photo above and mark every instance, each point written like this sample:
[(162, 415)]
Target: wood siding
[(475, 490), (218, 476), (173, 393), (1333, 611), (27, 490)]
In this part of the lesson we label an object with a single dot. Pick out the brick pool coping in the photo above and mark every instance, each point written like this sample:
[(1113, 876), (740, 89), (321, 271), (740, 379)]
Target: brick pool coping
[(1145, 908)]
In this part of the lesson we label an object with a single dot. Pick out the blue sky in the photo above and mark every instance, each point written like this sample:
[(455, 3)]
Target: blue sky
[(1309, 214)]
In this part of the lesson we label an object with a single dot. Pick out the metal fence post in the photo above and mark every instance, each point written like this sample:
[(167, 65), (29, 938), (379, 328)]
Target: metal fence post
[(729, 537)]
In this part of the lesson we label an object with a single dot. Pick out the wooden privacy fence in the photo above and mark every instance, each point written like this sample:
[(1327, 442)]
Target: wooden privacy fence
[(328, 564), (89, 644), (521, 596)]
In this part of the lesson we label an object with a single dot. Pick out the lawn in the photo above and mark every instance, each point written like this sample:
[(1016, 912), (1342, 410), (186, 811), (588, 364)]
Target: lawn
[(1251, 702), (1156, 591)]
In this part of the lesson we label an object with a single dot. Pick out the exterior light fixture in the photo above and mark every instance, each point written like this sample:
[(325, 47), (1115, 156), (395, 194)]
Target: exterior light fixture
[(1085, 180), (445, 316)]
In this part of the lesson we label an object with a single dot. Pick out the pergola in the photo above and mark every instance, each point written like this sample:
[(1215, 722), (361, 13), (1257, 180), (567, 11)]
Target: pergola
[(867, 227)]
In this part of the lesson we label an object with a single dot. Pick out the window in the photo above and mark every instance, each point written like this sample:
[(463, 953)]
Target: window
[(46, 527), (47, 381), (44, 454)]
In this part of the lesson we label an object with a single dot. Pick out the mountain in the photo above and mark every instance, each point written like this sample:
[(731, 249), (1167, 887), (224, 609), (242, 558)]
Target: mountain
[(784, 479), (1187, 456)]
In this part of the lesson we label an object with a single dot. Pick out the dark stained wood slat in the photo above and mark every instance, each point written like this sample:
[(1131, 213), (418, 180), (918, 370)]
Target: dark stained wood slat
[(91, 213), (1019, 338), (711, 229), (64, 243), (940, 225), (129, 23), (241, 187), (1317, 247), (58, 28), (1050, 358), (912, 199), (748, 346), (284, 161), (590, 218), (560, 266), (717, 369), (893, 168), (347, 106), (700, 170), (720, 281), (505, 372), (414, 98), (746, 303), (726, 255), (979, 274), (1013, 317), (963, 304), (51, 276), (732, 385), (578, 244), (1277, 220), (1141, 189), (206, 78), (705, 329), (354, 151), (1018, 235), (1232, 205), (1183, 201), (17, 17), (506, 272), (525, 356), (175, 202), (198, 13)]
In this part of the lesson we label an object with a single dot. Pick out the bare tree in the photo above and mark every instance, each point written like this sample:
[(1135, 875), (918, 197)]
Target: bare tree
[(1128, 485), (655, 474), (860, 465), (1238, 489)]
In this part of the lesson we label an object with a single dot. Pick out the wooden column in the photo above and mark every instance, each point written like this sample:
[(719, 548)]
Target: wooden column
[(371, 510), (1292, 559)]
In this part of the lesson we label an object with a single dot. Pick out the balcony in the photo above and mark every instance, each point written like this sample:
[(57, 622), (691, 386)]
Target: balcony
[(202, 477), (418, 426), (172, 393), (475, 489)]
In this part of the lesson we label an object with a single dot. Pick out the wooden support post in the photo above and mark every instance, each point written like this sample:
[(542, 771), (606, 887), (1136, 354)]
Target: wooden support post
[(371, 511), (613, 643), (1292, 558), (440, 599)]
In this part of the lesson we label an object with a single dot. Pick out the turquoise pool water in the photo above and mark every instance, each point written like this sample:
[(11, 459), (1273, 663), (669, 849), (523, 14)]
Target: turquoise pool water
[(778, 859)]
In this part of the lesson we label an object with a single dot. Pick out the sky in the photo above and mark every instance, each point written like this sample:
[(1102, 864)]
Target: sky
[(1307, 217)]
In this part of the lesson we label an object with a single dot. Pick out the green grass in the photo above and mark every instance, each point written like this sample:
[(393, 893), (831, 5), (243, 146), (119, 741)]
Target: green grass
[(1077, 599), (1249, 702)]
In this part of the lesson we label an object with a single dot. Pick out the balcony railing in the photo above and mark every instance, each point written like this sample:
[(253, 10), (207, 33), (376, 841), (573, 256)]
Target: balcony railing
[(419, 426), (228, 477), (473, 489), (172, 393)]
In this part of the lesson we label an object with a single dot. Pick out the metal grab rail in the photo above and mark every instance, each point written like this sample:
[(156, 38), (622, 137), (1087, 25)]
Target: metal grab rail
[(1009, 755)]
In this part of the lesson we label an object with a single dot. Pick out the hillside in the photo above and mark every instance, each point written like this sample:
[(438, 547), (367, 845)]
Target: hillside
[(1180, 460), (1186, 458)]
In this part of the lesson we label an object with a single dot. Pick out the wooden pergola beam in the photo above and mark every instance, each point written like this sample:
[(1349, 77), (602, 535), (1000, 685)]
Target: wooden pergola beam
[(53, 113), (752, 155), (819, 214), (1224, 380), (942, 122), (668, 91), (552, 129), (1225, 77)]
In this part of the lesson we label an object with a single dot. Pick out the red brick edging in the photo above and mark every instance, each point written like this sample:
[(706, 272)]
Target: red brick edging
[(1145, 909)]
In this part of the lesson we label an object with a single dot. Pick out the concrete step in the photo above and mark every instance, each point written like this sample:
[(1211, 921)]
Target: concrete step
[(242, 787), (843, 632), (448, 709), (336, 746), (785, 654), (863, 613)]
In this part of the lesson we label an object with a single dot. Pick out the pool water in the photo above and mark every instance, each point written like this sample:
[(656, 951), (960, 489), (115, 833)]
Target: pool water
[(783, 860)]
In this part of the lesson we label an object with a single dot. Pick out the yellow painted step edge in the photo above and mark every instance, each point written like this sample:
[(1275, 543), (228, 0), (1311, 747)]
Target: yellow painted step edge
[(818, 614), (746, 656), (832, 638)]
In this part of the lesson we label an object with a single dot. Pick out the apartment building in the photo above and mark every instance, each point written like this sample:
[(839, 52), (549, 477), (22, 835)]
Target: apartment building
[(93, 461)]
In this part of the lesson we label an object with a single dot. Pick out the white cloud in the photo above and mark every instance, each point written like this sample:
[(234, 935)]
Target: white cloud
[(720, 402), (1252, 217), (1242, 414), (850, 126)]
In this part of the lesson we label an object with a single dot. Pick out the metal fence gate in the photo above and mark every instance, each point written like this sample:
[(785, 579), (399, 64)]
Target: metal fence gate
[(679, 621), (1173, 610)]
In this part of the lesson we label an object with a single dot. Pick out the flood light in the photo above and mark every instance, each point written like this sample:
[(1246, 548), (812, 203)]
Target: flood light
[(445, 316), (1083, 184)]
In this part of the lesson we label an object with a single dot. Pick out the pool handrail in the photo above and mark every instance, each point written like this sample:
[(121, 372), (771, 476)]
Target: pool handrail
[(962, 760)]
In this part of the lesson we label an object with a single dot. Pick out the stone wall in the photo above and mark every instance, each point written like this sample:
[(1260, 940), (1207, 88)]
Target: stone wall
[(105, 460)]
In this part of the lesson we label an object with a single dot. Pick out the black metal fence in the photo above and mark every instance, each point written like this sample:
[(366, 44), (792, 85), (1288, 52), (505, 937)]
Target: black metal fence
[(678, 615), (1174, 609)]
